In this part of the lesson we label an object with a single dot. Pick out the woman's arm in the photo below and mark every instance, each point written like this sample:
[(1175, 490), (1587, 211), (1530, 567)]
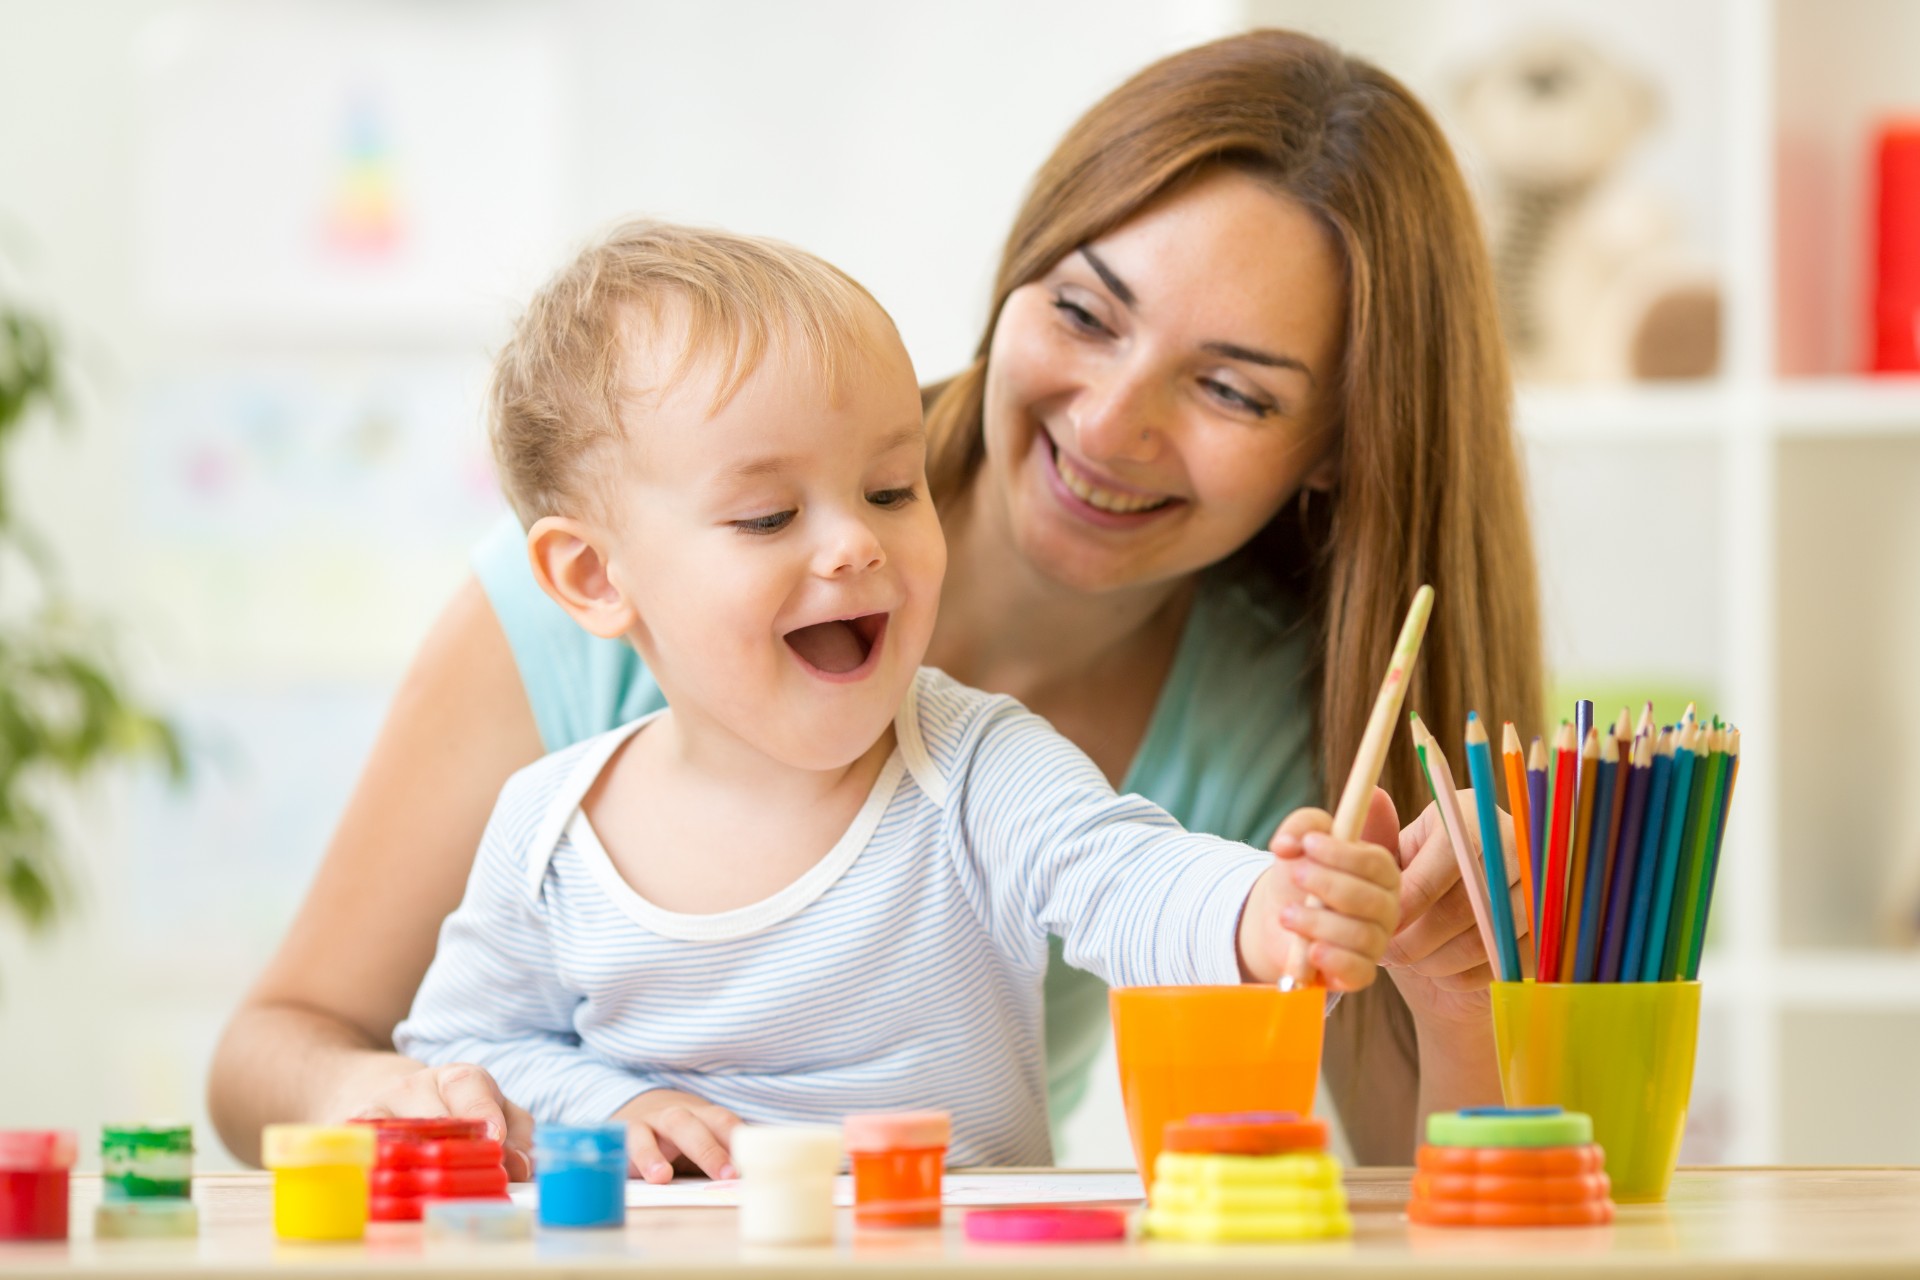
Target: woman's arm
[(311, 1040)]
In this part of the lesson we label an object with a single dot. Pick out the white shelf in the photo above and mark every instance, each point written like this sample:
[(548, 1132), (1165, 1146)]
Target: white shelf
[(1881, 405), (1874, 980), (1622, 412), (1808, 978)]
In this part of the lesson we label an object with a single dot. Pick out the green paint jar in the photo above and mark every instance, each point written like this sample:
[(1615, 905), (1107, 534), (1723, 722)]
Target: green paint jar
[(144, 1161)]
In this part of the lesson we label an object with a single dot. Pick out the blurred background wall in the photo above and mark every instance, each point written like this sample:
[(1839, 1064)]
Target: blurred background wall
[(280, 239)]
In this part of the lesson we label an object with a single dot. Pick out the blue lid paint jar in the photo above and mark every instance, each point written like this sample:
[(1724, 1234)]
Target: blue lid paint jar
[(581, 1171)]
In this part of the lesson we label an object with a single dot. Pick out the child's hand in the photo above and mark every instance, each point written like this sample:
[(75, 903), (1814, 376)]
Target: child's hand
[(666, 1127), (1357, 883), (458, 1089)]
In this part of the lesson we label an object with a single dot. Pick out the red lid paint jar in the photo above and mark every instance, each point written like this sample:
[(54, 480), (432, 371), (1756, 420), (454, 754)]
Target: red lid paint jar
[(897, 1159), (34, 1165), (443, 1158)]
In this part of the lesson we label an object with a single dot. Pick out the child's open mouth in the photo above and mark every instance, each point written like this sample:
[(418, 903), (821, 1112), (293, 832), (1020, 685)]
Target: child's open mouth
[(843, 649)]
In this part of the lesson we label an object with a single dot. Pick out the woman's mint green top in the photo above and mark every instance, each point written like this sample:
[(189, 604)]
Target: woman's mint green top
[(1227, 751)]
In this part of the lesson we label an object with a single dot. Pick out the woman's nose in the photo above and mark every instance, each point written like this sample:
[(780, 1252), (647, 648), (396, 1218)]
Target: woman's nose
[(1117, 418)]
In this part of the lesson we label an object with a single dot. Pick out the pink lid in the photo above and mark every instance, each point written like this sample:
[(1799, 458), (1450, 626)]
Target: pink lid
[(36, 1150), (897, 1130)]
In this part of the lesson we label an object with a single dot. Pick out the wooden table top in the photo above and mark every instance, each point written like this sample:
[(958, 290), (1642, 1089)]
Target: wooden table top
[(1718, 1222)]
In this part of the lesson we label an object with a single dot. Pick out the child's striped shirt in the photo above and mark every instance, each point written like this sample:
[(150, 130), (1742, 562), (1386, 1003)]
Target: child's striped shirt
[(901, 972)]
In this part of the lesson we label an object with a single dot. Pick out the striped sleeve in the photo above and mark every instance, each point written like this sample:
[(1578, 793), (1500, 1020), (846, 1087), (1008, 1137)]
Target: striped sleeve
[(1047, 847), (493, 996)]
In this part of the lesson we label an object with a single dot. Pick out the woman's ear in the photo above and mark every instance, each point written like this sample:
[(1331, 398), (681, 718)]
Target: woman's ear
[(1322, 476), (570, 564)]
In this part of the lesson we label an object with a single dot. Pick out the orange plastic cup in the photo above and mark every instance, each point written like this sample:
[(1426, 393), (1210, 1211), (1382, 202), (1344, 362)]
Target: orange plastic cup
[(1196, 1050)]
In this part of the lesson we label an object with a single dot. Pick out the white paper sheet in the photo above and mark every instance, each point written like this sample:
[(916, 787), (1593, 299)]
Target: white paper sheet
[(968, 1189)]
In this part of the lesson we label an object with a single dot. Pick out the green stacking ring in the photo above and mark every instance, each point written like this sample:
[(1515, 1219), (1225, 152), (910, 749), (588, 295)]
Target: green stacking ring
[(1509, 1127)]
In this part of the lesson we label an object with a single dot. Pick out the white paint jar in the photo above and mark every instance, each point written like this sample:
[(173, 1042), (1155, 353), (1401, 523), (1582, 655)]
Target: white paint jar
[(786, 1182)]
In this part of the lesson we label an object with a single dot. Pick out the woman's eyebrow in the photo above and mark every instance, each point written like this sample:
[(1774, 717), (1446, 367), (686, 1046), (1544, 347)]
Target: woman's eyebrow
[(1232, 352), (1228, 350), (1115, 285)]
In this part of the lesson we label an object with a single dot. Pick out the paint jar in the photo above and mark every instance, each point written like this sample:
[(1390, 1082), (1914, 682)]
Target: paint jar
[(142, 1161), (1621, 1052), (786, 1182), (897, 1161), (582, 1174), (1200, 1050), (442, 1158), (34, 1167), (319, 1179)]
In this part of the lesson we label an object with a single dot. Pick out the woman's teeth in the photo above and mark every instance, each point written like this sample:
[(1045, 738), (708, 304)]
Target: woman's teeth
[(1094, 496)]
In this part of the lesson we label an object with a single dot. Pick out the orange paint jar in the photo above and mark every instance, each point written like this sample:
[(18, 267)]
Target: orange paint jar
[(897, 1162)]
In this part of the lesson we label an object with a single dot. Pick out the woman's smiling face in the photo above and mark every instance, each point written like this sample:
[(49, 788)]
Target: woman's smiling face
[(1154, 399)]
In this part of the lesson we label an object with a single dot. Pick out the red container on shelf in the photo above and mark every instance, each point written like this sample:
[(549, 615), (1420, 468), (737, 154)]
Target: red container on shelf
[(1896, 225), (34, 1169), (439, 1159)]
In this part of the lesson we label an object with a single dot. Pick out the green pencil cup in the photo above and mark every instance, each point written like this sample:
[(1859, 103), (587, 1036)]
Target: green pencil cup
[(1620, 1051)]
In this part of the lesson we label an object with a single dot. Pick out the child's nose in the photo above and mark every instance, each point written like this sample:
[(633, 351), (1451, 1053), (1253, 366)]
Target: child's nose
[(850, 547)]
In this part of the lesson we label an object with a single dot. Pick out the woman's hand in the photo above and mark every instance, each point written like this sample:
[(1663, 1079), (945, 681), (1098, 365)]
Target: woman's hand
[(464, 1090), (1357, 884), (1438, 958), (666, 1127)]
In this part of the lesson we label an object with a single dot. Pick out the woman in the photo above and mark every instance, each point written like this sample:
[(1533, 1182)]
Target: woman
[(1241, 390)]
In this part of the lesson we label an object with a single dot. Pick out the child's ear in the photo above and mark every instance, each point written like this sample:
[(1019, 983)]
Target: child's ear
[(570, 564)]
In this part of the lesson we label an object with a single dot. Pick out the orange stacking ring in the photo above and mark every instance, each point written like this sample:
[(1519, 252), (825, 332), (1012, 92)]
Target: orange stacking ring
[(1510, 1190), (1513, 1162), (1493, 1213), (1247, 1133)]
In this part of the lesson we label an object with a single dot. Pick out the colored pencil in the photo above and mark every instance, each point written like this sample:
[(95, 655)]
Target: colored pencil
[(1582, 848), (1640, 911), (1620, 896), (1623, 755), (1713, 863), (1520, 803), (1355, 800), (1433, 762), (1537, 810), (1701, 812), (1582, 723), (1679, 791), (1593, 902), (1493, 848), (1553, 909)]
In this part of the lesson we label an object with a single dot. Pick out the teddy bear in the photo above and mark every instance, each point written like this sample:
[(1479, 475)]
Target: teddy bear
[(1595, 281)]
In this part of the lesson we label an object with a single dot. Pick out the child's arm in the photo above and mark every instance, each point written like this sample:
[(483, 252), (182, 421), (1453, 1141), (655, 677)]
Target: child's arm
[(1139, 900), (493, 997)]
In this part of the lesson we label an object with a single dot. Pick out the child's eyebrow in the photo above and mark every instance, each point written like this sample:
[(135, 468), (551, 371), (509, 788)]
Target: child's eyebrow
[(912, 433), (753, 468), (772, 464)]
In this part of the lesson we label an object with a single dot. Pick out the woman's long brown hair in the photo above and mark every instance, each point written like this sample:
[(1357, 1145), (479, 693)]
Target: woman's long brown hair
[(1429, 486)]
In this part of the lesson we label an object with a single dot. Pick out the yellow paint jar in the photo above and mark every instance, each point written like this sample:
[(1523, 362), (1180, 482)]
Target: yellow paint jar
[(319, 1179)]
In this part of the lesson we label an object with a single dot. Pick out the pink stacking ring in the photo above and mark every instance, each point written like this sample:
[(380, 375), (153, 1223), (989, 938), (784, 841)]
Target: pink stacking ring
[(1040, 1226)]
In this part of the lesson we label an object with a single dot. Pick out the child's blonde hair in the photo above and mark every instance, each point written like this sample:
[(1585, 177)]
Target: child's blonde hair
[(554, 408)]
